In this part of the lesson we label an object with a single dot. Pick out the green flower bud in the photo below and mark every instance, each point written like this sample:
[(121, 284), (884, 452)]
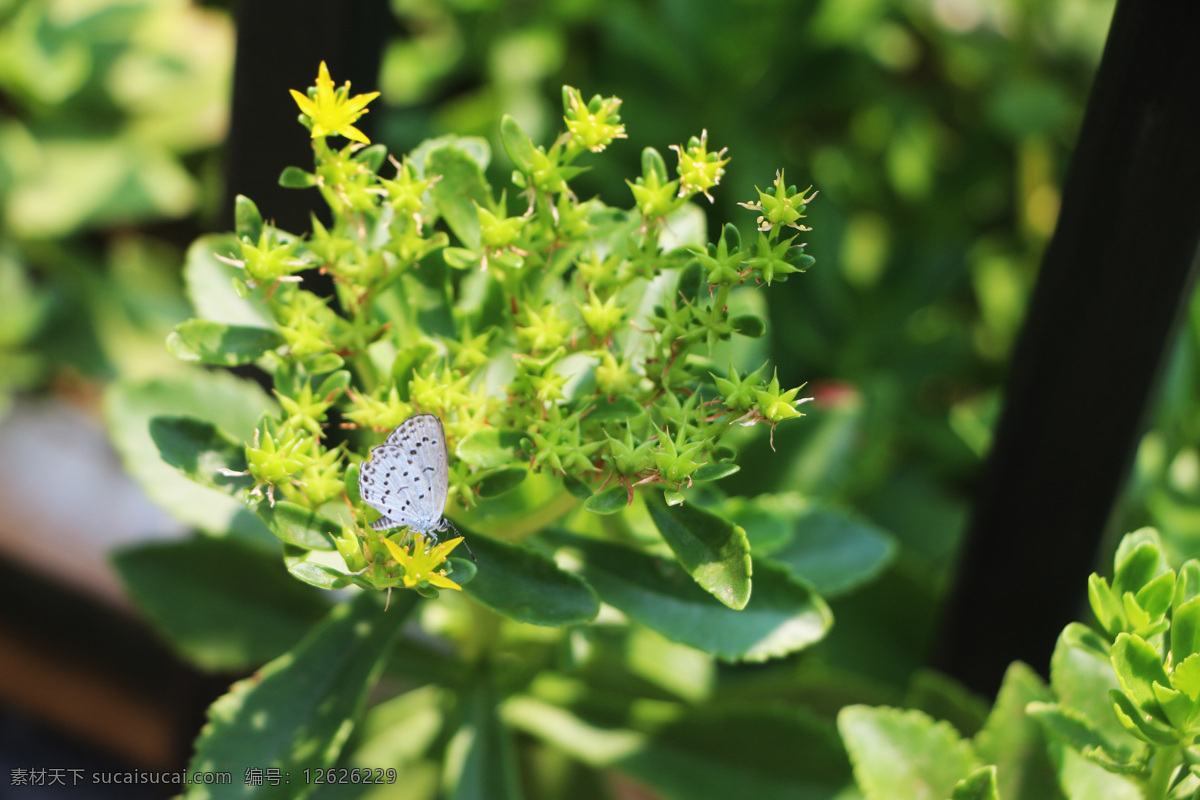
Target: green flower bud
[(595, 125), (699, 170), (778, 405), (601, 317)]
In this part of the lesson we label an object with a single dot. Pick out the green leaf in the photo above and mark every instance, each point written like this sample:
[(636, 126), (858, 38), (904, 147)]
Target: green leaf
[(372, 156), (732, 237), (1185, 630), (1135, 539), (784, 616), (594, 745), (1013, 740), (1081, 676), (1136, 616), (351, 484), (210, 284), (681, 670), (527, 586), (327, 362), (652, 161), (1078, 733), (223, 606), (1065, 724), (1140, 724), (705, 753), (1186, 676), (1155, 597), (298, 526), (576, 488), (206, 342), (516, 144), (1080, 637), (979, 785), (766, 518), (690, 279), (749, 325), (476, 148), (714, 472), (201, 451), (488, 448), (296, 712), (617, 408), (1138, 568), (1176, 705), (1108, 609), (319, 575), (93, 172), (334, 382), (462, 570), (231, 404), (496, 482), (460, 190), (396, 734), (461, 257), (247, 220), (296, 178), (900, 754), (480, 760), (1082, 776), (944, 698), (835, 551), (607, 501), (400, 730), (1116, 768), (1187, 583), (1139, 667), (824, 448), (686, 228), (713, 550), (737, 752)]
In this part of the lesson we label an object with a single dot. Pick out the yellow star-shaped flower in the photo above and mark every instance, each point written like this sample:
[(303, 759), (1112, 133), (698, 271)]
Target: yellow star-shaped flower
[(332, 111), (420, 565)]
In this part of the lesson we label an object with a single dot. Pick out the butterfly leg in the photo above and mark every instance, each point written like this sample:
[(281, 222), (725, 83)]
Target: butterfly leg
[(448, 524)]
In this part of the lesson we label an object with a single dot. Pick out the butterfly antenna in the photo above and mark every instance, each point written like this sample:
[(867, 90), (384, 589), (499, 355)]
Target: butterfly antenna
[(450, 525)]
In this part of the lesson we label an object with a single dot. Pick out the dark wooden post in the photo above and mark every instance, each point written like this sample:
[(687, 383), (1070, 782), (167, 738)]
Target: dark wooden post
[(1114, 283)]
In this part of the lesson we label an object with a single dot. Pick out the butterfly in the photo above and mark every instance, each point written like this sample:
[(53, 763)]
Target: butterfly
[(408, 477)]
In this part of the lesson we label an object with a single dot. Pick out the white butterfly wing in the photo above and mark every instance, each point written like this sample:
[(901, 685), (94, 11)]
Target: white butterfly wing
[(407, 478)]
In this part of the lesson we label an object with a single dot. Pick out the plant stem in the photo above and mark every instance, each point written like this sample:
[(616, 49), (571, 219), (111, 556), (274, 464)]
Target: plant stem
[(722, 295), (1166, 760)]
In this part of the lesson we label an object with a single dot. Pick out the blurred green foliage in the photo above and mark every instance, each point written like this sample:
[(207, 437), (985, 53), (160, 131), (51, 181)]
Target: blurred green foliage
[(1164, 486), (1117, 718), (937, 133), (109, 113)]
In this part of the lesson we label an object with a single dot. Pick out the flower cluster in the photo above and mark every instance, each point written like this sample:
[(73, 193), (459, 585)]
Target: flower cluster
[(550, 334)]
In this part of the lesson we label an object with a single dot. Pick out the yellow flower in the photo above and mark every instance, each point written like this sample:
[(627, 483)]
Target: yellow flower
[(332, 111), (420, 564)]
